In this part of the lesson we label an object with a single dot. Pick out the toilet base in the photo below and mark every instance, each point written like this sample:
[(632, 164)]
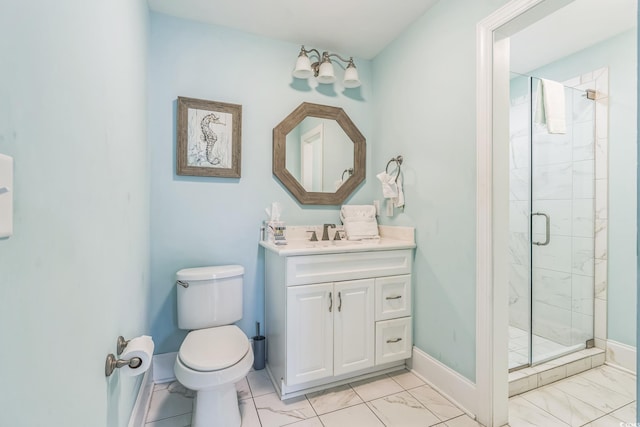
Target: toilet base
[(216, 407)]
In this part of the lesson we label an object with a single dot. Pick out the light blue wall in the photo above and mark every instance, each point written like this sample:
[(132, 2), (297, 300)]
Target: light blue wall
[(424, 85), (75, 274), (619, 54), (199, 221)]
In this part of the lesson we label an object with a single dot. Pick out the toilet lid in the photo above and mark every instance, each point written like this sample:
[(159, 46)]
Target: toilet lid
[(212, 349)]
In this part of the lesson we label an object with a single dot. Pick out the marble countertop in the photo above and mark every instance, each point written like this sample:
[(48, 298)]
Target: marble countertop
[(391, 237)]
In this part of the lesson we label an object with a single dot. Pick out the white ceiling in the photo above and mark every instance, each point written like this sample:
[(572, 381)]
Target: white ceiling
[(359, 28), (570, 29), (362, 28)]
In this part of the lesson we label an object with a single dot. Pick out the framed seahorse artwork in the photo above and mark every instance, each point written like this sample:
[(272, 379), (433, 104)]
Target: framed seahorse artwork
[(208, 138)]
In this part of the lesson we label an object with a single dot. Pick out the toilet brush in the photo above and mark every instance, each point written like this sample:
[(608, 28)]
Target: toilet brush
[(259, 342)]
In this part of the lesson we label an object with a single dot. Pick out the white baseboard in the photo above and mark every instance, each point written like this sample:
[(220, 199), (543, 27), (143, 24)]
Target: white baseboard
[(621, 356), (163, 367), (445, 380), (140, 407)]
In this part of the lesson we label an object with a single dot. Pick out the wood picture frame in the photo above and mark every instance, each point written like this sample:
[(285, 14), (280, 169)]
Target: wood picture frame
[(208, 138), (279, 167)]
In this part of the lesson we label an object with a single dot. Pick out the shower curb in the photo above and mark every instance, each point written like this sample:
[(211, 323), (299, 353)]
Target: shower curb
[(528, 379)]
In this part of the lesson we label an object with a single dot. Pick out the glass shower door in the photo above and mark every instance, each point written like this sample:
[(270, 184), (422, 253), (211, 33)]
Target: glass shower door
[(562, 229), (519, 224)]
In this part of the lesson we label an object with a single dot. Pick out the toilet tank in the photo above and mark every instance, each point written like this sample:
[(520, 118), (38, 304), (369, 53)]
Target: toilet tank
[(212, 296)]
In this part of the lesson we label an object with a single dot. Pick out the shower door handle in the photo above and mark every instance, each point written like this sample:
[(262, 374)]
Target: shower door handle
[(547, 221)]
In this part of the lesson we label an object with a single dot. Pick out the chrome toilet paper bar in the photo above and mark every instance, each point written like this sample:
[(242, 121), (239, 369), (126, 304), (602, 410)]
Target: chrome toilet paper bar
[(134, 358), (112, 363)]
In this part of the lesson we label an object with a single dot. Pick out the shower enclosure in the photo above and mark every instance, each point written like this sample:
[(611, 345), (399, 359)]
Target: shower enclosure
[(551, 227)]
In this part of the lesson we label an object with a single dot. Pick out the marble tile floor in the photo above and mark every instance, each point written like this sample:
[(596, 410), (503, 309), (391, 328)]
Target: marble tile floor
[(395, 399), (600, 397)]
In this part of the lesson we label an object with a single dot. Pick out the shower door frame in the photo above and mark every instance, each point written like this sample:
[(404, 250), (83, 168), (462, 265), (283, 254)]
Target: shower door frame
[(538, 156)]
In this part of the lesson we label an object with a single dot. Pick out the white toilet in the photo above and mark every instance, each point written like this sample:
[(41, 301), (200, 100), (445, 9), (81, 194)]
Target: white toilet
[(216, 354)]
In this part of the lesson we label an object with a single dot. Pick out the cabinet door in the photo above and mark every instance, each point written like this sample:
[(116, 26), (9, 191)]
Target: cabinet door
[(309, 332), (354, 326)]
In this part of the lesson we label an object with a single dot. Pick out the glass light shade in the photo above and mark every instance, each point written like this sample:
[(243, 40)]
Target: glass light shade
[(303, 68), (326, 74), (351, 79)]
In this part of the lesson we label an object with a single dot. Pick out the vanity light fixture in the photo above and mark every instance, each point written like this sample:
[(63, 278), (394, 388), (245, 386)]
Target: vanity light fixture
[(322, 69)]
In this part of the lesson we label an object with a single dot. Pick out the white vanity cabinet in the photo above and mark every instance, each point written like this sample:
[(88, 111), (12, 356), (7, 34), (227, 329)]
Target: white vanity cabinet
[(332, 317), (330, 329)]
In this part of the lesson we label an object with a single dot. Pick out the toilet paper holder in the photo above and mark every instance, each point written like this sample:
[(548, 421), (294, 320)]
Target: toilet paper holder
[(112, 363), (121, 344)]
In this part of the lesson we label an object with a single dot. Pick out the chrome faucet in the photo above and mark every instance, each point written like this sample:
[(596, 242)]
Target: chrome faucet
[(325, 231)]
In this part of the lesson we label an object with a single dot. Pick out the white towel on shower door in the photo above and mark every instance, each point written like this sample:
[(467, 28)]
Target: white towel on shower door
[(550, 106)]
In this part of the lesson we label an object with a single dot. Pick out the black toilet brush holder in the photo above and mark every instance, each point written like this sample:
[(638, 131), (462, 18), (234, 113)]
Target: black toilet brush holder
[(259, 350)]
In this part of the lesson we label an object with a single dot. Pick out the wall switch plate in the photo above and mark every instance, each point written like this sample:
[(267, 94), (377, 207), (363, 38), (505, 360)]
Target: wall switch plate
[(6, 196)]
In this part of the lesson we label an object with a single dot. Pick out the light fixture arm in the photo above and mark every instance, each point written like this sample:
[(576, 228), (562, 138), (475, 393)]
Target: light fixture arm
[(306, 51), (346, 61)]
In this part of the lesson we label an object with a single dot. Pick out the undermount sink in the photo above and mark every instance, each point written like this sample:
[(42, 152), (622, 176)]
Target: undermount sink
[(329, 243), (346, 242)]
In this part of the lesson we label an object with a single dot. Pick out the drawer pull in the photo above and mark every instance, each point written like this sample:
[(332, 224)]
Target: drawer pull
[(330, 302), (396, 297), (394, 340), (340, 301)]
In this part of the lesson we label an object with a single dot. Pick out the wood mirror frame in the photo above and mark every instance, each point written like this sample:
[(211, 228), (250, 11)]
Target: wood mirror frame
[(280, 154)]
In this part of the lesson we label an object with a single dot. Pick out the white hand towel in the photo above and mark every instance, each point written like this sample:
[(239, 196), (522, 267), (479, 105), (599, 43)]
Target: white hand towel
[(359, 230), (357, 213), (389, 186), (550, 106), (398, 201)]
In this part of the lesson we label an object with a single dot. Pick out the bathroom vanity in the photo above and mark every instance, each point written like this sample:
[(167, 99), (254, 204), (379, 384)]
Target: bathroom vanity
[(336, 311)]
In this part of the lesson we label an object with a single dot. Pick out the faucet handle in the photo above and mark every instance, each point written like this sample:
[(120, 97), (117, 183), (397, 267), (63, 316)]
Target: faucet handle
[(314, 236)]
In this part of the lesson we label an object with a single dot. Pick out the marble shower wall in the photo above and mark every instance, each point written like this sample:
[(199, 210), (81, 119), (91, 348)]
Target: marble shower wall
[(569, 184)]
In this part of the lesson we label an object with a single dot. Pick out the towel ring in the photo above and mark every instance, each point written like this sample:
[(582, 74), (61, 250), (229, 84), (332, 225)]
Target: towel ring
[(350, 170), (398, 161)]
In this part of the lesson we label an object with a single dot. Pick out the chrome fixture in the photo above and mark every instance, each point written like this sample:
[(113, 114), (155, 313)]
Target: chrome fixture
[(349, 171), (322, 69), (121, 344), (398, 161), (547, 222), (182, 283), (112, 363), (325, 231)]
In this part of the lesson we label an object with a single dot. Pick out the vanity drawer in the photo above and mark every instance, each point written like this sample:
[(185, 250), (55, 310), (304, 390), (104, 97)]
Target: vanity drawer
[(308, 269), (393, 297), (393, 340)]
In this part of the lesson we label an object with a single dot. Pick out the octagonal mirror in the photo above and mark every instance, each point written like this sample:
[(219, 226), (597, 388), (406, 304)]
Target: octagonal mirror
[(319, 154)]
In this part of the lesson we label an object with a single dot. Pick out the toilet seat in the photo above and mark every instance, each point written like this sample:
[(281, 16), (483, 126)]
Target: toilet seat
[(213, 349)]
